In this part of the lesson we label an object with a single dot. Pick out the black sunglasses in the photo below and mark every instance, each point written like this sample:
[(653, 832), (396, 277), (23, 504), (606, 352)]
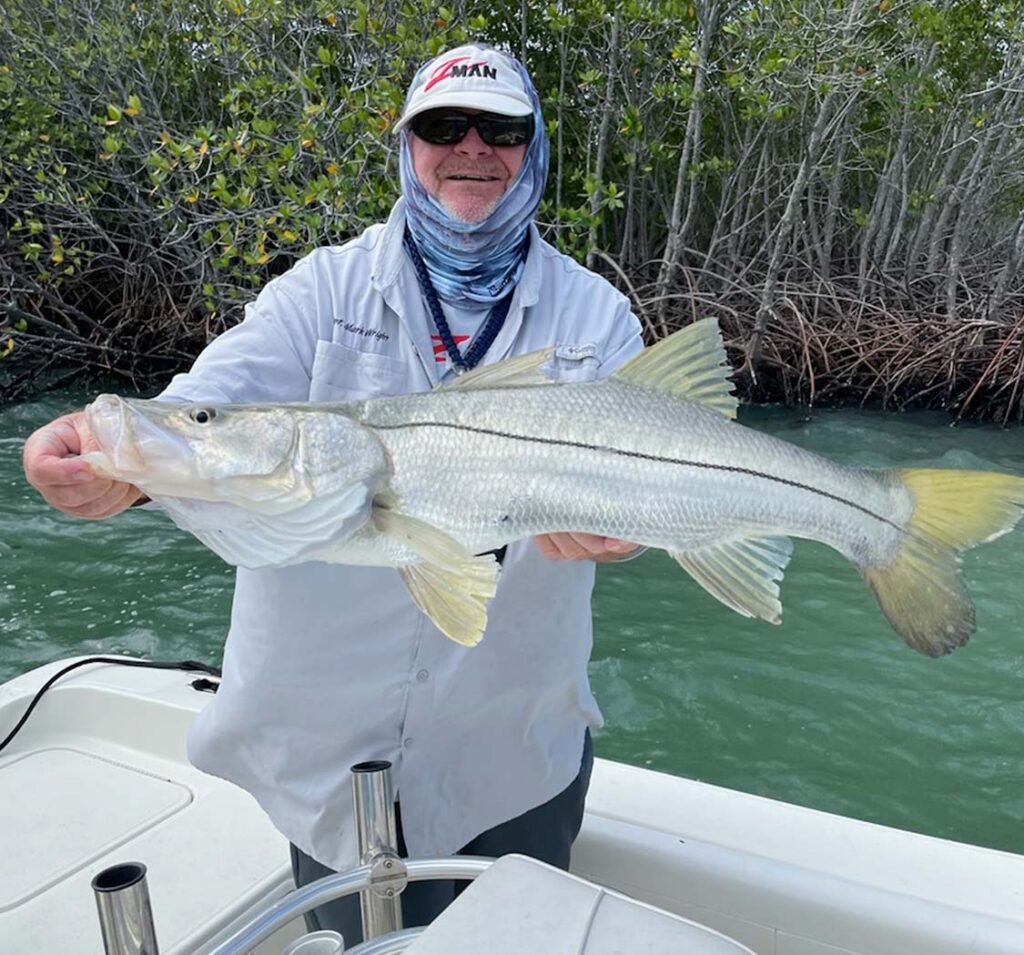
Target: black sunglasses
[(444, 127)]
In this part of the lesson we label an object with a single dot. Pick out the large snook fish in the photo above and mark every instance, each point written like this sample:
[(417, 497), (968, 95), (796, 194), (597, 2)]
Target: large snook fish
[(651, 454)]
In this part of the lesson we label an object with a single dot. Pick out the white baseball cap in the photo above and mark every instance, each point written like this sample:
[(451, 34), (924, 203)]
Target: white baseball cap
[(468, 77)]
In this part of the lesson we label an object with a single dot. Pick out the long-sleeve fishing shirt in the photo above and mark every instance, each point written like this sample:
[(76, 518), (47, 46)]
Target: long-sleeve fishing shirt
[(327, 665)]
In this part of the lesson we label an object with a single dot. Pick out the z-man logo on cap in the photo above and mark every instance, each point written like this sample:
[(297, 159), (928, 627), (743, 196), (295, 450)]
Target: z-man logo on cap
[(455, 67)]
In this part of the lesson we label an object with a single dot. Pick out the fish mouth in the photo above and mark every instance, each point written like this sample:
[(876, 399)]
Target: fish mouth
[(134, 445), (111, 426)]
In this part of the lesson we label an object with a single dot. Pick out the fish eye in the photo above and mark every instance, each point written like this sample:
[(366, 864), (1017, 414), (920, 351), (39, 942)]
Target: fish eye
[(202, 415)]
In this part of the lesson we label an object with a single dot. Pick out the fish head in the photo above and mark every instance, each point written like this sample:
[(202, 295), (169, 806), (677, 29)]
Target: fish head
[(240, 453)]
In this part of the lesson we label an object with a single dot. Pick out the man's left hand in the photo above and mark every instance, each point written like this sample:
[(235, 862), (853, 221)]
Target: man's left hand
[(566, 546)]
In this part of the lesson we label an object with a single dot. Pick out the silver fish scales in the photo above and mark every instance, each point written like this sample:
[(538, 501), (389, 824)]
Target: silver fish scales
[(651, 454)]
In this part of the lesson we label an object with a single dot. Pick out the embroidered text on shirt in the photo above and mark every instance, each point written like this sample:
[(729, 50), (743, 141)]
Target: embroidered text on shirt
[(362, 330)]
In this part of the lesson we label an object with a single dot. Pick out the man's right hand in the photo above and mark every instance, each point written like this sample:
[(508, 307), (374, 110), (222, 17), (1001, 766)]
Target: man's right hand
[(53, 467)]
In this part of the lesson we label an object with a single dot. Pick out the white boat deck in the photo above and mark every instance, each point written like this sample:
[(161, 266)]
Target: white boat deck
[(98, 776)]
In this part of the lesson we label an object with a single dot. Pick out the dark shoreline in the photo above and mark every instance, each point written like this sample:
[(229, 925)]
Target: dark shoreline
[(973, 369)]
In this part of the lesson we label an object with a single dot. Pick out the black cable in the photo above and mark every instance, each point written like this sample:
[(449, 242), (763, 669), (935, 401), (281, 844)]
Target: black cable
[(188, 665)]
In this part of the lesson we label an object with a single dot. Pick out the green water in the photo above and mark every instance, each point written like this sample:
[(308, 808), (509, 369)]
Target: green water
[(829, 710)]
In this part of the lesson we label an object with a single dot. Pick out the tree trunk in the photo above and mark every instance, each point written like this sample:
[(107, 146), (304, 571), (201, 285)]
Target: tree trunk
[(602, 140), (708, 21), (808, 167)]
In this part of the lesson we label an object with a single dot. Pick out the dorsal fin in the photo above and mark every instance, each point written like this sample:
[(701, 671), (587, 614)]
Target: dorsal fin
[(522, 371), (690, 364)]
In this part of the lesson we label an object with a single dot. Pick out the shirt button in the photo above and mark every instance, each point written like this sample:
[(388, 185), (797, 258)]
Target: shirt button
[(423, 676), (407, 742)]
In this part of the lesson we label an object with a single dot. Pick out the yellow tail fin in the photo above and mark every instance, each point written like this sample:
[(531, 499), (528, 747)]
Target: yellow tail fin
[(922, 591)]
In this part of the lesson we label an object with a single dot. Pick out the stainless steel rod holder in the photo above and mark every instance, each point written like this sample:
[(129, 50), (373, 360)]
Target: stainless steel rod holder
[(126, 919), (330, 887), (377, 845)]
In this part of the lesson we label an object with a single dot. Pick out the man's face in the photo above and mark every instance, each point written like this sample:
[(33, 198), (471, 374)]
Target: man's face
[(467, 178)]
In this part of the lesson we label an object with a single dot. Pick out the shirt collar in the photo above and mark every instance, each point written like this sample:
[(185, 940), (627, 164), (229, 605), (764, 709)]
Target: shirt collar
[(389, 255)]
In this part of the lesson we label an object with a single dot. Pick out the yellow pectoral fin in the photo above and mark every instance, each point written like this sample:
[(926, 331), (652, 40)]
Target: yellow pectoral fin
[(454, 598), (450, 585)]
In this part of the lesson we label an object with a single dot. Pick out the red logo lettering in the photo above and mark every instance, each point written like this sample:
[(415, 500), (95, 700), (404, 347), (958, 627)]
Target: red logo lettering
[(440, 352), (443, 71)]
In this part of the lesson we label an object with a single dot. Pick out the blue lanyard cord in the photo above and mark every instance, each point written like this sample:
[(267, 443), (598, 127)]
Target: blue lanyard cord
[(483, 341)]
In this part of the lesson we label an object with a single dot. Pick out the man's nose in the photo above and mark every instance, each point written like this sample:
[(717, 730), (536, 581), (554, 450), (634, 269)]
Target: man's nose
[(473, 145)]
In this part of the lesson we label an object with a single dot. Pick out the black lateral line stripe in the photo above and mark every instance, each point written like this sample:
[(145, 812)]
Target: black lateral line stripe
[(561, 442)]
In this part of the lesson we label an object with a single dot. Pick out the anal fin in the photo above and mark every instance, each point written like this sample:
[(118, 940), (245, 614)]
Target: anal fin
[(743, 574), (451, 586)]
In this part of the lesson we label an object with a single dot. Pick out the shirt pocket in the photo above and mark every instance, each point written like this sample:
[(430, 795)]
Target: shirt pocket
[(574, 363), (343, 373)]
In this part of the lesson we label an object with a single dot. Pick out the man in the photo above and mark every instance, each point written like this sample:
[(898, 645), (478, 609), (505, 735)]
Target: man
[(327, 666)]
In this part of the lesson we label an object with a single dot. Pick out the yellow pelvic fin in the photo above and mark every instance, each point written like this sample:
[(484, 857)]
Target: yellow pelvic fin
[(689, 364), (922, 591), (450, 586)]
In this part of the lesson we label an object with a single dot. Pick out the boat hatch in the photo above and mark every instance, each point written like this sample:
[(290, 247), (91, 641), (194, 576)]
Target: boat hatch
[(73, 808)]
